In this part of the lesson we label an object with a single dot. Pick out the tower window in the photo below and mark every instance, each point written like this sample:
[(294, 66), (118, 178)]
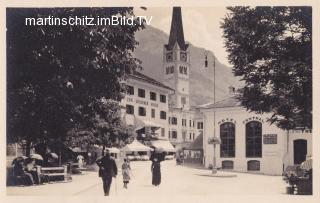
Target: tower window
[(183, 56), (141, 93), (181, 69), (169, 56), (171, 69)]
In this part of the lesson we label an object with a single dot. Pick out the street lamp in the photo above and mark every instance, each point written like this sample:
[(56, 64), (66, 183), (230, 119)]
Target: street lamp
[(213, 140)]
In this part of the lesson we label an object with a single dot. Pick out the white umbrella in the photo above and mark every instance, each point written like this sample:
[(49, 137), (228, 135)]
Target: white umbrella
[(54, 155), (36, 156), (306, 165)]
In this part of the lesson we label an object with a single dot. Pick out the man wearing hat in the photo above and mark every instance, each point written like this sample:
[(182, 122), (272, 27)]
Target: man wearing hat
[(107, 170)]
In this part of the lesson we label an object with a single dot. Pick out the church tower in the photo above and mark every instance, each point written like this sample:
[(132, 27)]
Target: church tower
[(176, 63)]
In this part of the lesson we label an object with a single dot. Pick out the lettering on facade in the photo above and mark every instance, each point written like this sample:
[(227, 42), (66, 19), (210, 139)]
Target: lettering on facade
[(254, 118), (129, 99), (225, 120), (270, 139), (154, 104), (142, 102)]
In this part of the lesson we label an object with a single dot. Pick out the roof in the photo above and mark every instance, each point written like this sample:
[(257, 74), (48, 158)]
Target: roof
[(139, 76), (165, 145), (229, 102), (197, 143), (176, 31)]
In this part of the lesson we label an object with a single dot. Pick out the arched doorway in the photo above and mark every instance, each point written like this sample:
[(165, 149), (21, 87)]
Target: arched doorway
[(299, 151)]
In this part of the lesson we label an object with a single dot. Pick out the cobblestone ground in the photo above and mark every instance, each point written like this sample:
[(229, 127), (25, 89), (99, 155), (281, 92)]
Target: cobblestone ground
[(176, 180)]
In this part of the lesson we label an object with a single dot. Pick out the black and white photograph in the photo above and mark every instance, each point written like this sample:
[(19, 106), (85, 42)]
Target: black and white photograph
[(157, 102)]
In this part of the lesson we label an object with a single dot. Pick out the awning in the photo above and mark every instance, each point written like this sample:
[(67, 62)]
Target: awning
[(165, 145), (306, 165), (139, 124), (136, 146), (98, 149)]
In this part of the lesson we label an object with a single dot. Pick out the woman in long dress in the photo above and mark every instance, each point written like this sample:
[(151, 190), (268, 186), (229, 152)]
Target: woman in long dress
[(156, 172), (126, 172)]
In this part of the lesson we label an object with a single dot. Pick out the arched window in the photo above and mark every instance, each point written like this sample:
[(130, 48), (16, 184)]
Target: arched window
[(254, 139), (227, 136)]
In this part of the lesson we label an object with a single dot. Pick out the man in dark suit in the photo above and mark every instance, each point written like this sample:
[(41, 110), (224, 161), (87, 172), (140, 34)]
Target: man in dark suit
[(107, 170)]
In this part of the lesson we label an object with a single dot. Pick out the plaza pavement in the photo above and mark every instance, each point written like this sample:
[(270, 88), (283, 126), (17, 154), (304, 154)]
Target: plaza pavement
[(176, 180)]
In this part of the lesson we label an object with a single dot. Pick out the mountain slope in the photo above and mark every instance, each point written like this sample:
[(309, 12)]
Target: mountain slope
[(150, 52)]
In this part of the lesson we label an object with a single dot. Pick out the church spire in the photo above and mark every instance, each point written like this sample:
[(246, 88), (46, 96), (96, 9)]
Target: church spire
[(176, 31)]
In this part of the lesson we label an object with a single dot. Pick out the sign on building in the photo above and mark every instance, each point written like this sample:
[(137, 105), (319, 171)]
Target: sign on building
[(270, 139)]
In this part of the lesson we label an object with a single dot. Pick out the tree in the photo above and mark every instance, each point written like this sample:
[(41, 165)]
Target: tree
[(271, 49), (57, 74)]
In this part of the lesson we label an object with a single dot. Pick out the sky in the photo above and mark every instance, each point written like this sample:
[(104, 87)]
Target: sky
[(201, 26)]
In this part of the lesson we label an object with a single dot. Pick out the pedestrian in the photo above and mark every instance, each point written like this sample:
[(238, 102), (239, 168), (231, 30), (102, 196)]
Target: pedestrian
[(19, 171), (107, 170), (126, 172), (80, 159), (156, 172), (31, 169)]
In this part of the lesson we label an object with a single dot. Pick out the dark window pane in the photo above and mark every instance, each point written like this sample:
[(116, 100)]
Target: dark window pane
[(227, 136), (129, 109), (130, 90), (141, 93)]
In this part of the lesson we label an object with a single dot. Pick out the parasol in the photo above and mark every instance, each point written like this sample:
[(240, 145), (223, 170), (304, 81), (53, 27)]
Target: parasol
[(306, 165), (53, 155), (36, 156)]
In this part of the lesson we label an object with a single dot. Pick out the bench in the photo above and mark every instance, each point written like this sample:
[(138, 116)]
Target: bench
[(54, 172)]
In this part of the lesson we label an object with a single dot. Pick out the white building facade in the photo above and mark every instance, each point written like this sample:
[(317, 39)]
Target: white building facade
[(248, 142), (146, 106)]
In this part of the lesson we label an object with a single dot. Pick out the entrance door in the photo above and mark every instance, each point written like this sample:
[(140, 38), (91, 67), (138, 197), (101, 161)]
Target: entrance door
[(300, 151)]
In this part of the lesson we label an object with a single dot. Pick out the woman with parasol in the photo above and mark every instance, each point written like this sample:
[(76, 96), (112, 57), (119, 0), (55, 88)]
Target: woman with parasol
[(156, 157)]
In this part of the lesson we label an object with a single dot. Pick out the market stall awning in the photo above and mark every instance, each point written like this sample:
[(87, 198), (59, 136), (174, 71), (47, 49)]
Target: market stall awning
[(165, 145), (136, 146), (197, 144)]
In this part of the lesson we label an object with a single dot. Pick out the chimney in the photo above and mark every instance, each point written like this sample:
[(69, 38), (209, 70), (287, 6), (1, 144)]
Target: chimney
[(232, 90)]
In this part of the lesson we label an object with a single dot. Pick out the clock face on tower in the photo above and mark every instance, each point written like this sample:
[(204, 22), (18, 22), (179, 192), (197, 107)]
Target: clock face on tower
[(169, 56), (183, 56)]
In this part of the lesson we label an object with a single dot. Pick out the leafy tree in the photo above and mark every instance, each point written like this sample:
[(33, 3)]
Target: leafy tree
[(56, 75), (271, 49)]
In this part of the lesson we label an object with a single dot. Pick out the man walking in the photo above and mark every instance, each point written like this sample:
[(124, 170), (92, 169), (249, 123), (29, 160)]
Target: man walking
[(107, 170)]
